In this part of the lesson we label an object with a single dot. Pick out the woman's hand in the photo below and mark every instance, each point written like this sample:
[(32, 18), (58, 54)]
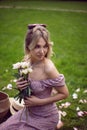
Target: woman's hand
[(21, 83), (33, 101)]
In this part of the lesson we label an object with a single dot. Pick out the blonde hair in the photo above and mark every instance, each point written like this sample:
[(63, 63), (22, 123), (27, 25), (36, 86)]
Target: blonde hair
[(33, 35)]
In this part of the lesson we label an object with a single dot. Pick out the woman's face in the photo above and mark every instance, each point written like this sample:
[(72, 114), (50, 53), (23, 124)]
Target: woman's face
[(40, 50)]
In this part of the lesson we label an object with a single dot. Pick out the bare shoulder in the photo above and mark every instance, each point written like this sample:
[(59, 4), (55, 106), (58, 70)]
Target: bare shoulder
[(50, 69), (48, 63)]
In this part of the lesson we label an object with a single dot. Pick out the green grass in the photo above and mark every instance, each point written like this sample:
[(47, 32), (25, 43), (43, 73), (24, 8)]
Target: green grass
[(51, 4), (69, 34)]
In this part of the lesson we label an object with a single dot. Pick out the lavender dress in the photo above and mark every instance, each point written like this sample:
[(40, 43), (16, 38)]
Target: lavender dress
[(37, 117)]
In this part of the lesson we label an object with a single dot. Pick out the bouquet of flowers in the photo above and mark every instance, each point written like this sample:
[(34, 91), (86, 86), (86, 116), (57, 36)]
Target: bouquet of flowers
[(23, 70)]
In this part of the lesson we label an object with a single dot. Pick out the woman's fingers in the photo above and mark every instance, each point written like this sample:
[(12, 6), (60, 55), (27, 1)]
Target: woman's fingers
[(20, 79), (26, 102), (23, 86), (32, 101), (21, 83)]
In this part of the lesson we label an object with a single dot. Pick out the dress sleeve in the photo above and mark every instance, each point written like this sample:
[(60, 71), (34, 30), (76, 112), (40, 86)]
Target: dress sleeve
[(56, 82), (38, 86)]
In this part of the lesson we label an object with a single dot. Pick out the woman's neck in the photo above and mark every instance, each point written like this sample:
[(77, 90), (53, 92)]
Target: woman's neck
[(35, 63)]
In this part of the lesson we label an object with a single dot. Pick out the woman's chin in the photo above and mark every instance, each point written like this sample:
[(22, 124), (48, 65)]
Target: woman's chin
[(40, 58)]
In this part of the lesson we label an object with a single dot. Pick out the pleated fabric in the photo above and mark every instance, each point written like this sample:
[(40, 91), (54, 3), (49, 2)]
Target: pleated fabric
[(38, 117)]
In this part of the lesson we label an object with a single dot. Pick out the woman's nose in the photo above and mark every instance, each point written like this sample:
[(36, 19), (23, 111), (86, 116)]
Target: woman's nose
[(42, 50)]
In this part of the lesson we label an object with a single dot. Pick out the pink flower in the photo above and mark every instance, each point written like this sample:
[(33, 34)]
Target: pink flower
[(80, 113), (83, 101), (85, 112), (67, 104), (74, 128), (85, 91)]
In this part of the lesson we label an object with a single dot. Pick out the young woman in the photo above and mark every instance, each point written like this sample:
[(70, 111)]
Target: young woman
[(41, 112)]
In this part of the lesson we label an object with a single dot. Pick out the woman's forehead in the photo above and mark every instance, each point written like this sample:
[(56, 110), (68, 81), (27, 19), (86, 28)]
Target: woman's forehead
[(41, 41)]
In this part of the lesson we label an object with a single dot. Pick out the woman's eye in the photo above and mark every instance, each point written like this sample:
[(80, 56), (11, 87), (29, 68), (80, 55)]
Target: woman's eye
[(45, 46), (37, 46)]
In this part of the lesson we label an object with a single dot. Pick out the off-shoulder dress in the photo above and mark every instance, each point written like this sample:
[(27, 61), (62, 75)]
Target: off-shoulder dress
[(43, 117)]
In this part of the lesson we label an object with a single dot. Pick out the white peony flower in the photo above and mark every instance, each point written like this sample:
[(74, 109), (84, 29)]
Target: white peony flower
[(75, 96), (15, 80), (24, 64), (63, 113), (62, 105), (78, 90), (17, 65), (9, 86), (30, 70), (24, 71), (77, 109)]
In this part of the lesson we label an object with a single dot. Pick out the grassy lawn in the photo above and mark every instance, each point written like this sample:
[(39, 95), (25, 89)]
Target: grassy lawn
[(69, 34)]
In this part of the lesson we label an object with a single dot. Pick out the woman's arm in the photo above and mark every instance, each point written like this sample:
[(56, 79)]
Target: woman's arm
[(35, 101), (62, 91)]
